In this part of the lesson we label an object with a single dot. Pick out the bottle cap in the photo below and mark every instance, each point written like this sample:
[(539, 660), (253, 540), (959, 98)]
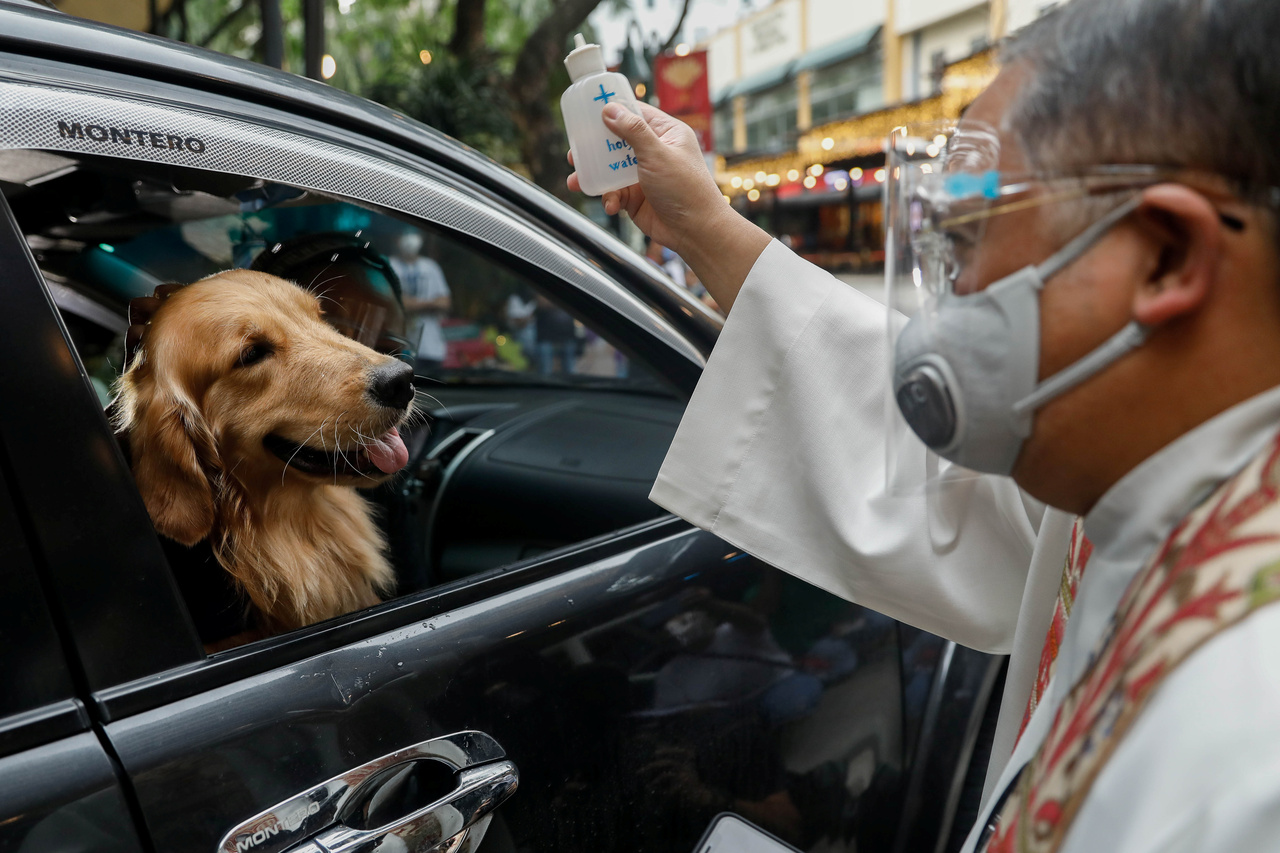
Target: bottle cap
[(584, 60)]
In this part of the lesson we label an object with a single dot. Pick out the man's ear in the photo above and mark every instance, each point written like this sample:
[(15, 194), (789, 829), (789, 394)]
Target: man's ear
[(1185, 233), (170, 473)]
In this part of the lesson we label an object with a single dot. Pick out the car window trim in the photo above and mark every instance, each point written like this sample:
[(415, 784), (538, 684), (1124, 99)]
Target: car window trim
[(51, 116)]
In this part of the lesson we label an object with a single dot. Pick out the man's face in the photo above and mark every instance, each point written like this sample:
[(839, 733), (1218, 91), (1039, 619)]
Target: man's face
[(1080, 307)]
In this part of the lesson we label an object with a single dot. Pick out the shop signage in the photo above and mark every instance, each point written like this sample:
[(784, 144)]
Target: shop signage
[(683, 92)]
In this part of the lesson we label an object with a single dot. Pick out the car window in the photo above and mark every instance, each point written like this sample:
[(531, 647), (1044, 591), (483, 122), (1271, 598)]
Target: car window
[(533, 429), (106, 232)]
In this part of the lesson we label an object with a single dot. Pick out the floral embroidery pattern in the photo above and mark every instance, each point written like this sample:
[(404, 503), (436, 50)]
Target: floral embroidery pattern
[(1221, 563), (1078, 553)]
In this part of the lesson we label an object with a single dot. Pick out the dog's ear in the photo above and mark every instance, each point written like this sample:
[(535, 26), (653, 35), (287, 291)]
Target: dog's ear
[(166, 440)]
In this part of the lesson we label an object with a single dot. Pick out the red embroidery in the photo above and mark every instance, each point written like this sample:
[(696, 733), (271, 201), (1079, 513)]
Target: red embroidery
[(1220, 564), (1078, 553)]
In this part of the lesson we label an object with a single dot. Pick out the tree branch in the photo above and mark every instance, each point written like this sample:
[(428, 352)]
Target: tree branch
[(545, 46), (468, 28), (675, 32), (224, 23), (542, 142)]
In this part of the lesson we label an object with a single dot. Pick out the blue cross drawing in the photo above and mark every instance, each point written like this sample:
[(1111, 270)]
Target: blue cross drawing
[(604, 96)]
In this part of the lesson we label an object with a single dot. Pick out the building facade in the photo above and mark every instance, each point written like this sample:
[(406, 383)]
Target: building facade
[(805, 92)]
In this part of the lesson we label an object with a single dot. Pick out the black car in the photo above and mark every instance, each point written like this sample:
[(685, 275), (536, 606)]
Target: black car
[(564, 666)]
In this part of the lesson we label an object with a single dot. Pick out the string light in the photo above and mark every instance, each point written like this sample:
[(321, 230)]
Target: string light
[(328, 67), (425, 57), (862, 136), (753, 195)]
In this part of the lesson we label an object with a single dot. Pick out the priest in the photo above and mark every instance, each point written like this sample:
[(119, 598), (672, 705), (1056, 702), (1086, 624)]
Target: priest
[(1083, 469)]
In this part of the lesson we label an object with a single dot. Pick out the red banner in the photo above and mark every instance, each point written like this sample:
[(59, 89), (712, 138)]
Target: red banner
[(683, 92)]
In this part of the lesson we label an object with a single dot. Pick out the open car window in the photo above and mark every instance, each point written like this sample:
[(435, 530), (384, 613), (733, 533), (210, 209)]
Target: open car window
[(533, 430), (106, 231)]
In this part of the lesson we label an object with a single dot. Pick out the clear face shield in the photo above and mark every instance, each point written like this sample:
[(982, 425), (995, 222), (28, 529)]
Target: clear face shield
[(965, 321)]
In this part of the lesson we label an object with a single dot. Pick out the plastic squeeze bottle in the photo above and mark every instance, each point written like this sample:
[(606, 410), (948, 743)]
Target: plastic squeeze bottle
[(603, 161)]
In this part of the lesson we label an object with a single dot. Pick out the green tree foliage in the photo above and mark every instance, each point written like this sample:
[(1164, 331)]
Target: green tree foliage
[(493, 79)]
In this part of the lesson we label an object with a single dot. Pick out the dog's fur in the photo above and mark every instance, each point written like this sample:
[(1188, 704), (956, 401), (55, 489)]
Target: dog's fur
[(302, 547)]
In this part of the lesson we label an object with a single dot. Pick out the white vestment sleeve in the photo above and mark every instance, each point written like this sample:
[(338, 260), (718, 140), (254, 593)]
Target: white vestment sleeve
[(782, 453)]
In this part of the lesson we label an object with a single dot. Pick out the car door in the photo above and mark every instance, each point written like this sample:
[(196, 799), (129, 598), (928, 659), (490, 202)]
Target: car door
[(637, 675), (58, 782)]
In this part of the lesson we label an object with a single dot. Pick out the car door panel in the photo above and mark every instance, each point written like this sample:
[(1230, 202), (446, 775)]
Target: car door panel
[(64, 796), (561, 672)]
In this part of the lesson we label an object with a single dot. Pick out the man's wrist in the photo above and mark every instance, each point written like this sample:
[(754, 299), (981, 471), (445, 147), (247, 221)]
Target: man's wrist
[(720, 230)]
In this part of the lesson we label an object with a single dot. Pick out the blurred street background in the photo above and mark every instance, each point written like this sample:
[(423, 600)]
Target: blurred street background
[(791, 99)]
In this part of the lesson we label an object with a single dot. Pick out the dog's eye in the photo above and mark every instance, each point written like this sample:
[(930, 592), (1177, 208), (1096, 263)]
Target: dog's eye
[(254, 353)]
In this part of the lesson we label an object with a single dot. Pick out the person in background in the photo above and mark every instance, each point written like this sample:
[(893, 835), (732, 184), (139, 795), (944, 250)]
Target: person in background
[(518, 313), (426, 300), (1104, 259), (557, 338), (665, 259)]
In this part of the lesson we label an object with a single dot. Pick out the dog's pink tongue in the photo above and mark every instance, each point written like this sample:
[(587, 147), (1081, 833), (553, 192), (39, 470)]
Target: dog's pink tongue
[(388, 452)]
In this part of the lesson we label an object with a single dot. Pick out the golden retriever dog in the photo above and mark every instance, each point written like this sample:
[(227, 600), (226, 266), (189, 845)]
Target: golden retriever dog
[(250, 420)]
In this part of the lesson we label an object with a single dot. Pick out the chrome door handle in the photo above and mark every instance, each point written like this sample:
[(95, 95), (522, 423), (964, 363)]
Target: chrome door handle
[(312, 819), (479, 792)]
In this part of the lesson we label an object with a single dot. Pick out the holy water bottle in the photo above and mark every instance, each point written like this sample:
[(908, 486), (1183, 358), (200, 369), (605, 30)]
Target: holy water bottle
[(603, 161)]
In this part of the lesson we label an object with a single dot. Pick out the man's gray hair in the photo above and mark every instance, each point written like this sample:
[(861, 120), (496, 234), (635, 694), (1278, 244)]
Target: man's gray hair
[(1181, 83)]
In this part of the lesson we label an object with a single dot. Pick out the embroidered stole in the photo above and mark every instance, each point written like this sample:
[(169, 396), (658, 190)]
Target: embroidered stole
[(1220, 563), (1078, 553)]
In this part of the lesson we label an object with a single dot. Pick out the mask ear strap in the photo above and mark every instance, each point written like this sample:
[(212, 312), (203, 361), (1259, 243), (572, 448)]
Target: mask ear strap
[(1085, 240), (1130, 337)]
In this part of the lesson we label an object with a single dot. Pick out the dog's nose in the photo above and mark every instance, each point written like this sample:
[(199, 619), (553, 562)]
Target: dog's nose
[(392, 384)]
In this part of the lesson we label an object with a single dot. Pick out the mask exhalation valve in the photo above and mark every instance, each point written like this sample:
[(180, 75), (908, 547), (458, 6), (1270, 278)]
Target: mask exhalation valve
[(925, 402)]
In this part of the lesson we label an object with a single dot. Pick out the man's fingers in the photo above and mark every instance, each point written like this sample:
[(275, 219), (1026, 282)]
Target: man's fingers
[(630, 127), (657, 119), (572, 182), (569, 154), (611, 201)]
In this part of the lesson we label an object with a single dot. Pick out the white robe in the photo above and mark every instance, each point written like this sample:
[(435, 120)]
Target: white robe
[(782, 453)]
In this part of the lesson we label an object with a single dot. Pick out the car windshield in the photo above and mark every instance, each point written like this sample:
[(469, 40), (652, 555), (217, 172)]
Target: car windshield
[(106, 231)]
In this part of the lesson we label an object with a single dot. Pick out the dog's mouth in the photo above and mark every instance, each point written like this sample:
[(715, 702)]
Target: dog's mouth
[(384, 455)]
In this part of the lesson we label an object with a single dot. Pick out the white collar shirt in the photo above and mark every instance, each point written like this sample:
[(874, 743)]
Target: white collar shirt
[(1126, 527)]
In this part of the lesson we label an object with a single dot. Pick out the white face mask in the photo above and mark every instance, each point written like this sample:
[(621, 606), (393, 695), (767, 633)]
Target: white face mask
[(964, 376)]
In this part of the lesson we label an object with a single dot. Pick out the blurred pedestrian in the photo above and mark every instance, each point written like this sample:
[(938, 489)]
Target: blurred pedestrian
[(665, 259), (557, 338), (427, 300), (1103, 325)]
